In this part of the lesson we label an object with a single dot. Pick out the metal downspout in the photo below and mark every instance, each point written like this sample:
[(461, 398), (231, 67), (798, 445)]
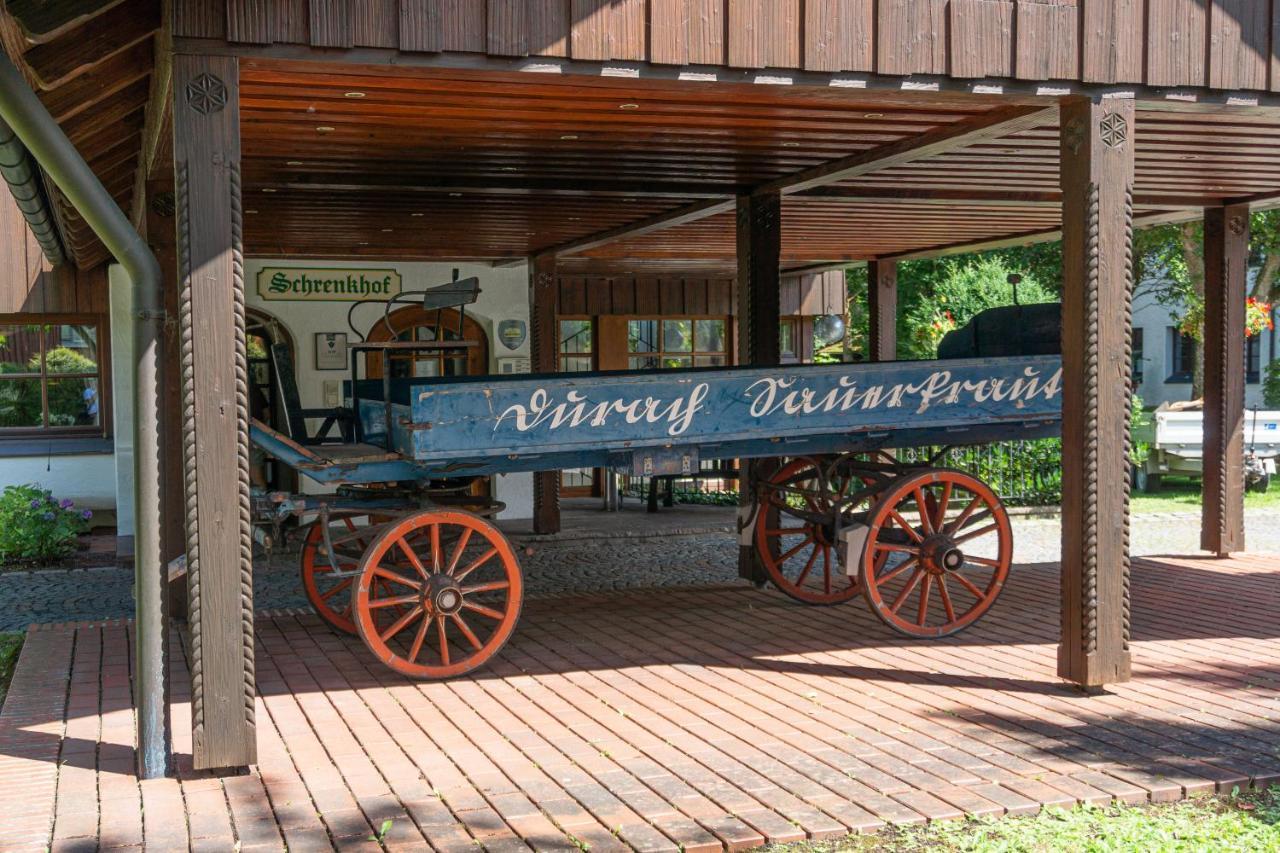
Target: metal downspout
[(24, 183), (46, 142)]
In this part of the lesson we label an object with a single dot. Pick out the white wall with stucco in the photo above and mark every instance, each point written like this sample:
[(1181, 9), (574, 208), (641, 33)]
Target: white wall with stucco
[(503, 296)]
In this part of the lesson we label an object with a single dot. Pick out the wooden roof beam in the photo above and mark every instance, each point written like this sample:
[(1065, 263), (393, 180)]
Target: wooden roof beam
[(992, 124), (984, 198)]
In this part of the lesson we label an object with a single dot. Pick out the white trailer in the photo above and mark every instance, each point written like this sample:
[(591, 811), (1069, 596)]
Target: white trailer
[(1176, 437)]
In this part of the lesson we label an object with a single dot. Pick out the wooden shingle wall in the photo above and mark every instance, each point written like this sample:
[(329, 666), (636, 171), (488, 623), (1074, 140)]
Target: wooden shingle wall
[(29, 284), (1223, 44)]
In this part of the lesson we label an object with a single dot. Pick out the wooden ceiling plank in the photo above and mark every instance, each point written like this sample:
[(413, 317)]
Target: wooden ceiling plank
[(80, 50)]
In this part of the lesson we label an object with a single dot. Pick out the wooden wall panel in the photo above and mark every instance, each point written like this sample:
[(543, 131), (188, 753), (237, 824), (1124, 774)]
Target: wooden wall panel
[(330, 22), (507, 28), (599, 296), (838, 35), (608, 29), (1176, 42), (374, 23), (1239, 44), (548, 22), (420, 25), (747, 33), (589, 25), (912, 37), (247, 23), (203, 19), (291, 22), (782, 34), (720, 296), (706, 32), (647, 300), (1113, 34), (669, 31), (695, 296), (671, 296), (462, 26), (981, 38), (1047, 36)]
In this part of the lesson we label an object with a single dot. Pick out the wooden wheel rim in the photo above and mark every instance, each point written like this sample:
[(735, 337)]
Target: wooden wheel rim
[(935, 600), (824, 562), (443, 612), (331, 602)]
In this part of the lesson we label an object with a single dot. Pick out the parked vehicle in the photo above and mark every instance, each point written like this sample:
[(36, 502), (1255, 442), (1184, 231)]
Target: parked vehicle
[(1176, 438)]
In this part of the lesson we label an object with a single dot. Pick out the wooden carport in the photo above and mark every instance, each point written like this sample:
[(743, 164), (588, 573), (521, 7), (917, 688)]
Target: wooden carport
[(605, 134)]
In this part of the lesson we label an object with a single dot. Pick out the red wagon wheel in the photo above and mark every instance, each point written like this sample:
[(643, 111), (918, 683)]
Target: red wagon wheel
[(801, 556), (329, 592), (940, 544), (439, 594)]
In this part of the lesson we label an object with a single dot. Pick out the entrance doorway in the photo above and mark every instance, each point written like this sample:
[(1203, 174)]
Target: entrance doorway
[(262, 332)]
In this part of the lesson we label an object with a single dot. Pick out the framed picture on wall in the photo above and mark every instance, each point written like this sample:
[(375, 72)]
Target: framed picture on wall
[(331, 350)]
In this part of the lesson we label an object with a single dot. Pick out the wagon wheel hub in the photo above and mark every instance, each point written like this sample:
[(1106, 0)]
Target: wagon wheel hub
[(441, 594), (941, 554)]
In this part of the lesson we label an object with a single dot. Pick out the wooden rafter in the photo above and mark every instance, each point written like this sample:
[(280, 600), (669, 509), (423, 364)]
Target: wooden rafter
[(987, 126)]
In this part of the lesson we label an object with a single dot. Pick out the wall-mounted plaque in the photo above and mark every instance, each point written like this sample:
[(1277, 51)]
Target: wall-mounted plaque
[(512, 333), (331, 350), (325, 284)]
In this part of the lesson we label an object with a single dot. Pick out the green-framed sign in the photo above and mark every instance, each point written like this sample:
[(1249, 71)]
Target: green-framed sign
[(326, 284)]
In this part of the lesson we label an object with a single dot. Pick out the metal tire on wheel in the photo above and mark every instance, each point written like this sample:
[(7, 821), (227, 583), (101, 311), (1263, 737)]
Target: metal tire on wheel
[(801, 557), (935, 529), (331, 597), (439, 594)]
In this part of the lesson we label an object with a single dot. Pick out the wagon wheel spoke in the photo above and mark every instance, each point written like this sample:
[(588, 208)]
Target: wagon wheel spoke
[(945, 595), (444, 640), (493, 586), (401, 623), (940, 514), (418, 640), (795, 550), (458, 551), (895, 547), (336, 588), (482, 610), (897, 570), (969, 585), (922, 612), (466, 631), (408, 551), (813, 556), (964, 514), (974, 534), (982, 561), (396, 578), (394, 601), (906, 590), (436, 559), (476, 563), (902, 522), (784, 530), (922, 507)]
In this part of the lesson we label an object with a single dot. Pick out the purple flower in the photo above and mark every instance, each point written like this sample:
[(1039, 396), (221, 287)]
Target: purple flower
[(66, 503), (48, 516), (35, 504), (86, 514)]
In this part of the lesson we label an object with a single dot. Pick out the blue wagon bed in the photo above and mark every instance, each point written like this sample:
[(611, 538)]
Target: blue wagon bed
[(402, 557)]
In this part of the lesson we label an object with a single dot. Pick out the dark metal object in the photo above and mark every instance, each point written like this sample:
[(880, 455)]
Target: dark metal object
[(1010, 330), (37, 130)]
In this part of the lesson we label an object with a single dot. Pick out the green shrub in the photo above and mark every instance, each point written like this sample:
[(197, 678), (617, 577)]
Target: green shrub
[(34, 525), (1271, 386)]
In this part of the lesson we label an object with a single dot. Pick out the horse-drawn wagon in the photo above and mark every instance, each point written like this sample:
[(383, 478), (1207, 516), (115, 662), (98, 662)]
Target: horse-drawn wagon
[(405, 555)]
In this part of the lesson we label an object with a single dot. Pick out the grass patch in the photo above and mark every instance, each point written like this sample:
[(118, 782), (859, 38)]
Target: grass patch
[(1244, 823), (1182, 494), (10, 645)]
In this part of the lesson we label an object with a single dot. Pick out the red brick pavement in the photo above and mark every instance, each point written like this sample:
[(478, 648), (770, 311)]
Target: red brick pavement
[(706, 718)]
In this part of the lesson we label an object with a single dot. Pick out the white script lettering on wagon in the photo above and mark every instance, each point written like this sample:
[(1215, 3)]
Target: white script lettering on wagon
[(576, 410)]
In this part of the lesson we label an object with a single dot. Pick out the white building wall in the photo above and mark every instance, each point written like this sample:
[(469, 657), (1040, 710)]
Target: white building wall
[(89, 479), (1157, 355), (504, 295)]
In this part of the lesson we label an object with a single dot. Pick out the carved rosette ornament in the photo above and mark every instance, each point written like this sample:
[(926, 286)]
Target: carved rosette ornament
[(1113, 129), (207, 94)]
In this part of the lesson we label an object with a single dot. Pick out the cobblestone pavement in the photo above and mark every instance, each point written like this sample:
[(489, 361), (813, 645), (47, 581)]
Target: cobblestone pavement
[(575, 565)]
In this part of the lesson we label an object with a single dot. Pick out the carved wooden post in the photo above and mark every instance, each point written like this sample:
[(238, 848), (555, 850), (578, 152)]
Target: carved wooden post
[(1226, 263), (215, 408), (759, 277), (1097, 246), (882, 308), (544, 358)]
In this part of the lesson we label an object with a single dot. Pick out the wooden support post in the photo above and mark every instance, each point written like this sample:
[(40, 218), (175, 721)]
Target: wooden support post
[(1097, 140), (1226, 266), (162, 237), (544, 358), (215, 408), (882, 308), (759, 294)]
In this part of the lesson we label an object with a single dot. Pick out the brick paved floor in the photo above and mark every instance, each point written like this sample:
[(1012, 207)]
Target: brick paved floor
[(706, 718)]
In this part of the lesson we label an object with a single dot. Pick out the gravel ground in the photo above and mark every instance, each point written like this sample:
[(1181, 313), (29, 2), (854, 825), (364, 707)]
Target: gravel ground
[(569, 566)]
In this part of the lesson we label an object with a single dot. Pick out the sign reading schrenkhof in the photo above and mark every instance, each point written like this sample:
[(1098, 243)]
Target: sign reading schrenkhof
[(323, 284)]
